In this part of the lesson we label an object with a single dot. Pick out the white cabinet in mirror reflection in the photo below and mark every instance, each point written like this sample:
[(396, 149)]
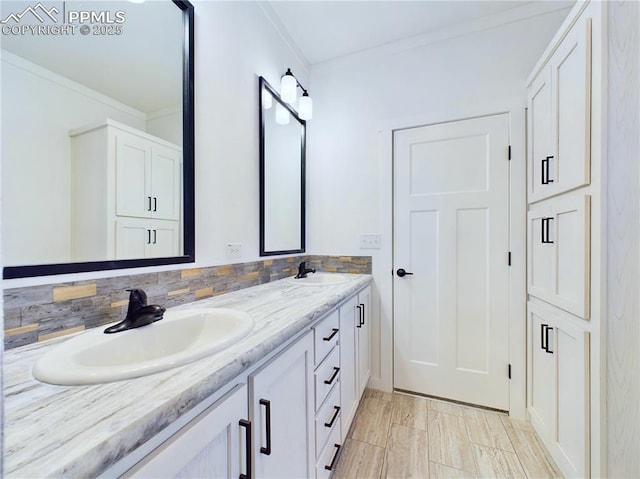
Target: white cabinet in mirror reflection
[(126, 194)]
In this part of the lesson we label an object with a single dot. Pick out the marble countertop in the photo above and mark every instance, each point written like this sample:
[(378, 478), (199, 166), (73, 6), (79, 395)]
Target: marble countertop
[(79, 431)]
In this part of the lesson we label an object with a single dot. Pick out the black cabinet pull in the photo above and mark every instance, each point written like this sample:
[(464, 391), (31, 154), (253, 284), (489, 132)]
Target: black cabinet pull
[(267, 404), (335, 457), (333, 419), (149, 207), (333, 376), (334, 331), (402, 273), (155, 236), (359, 325), (247, 448), (545, 171), (155, 203), (546, 340), (544, 228), (148, 236), (542, 335), (362, 314)]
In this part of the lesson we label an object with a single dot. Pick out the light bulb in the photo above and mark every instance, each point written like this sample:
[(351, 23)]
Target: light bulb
[(305, 107), (288, 86), (282, 115), (267, 99)]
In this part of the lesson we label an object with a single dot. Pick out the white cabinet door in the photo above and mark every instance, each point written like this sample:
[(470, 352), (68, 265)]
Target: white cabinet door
[(133, 237), (571, 80), (571, 432), (139, 238), (559, 252), (363, 331), (541, 371), (213, 445), (133, 175), (348, 364), (540, 140), (558, 398), (559, 101), (165, 182), (165, 239), (281, 409)]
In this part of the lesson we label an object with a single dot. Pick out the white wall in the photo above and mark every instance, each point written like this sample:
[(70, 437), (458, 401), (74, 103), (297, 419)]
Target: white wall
[(357, 96), (235, 44)]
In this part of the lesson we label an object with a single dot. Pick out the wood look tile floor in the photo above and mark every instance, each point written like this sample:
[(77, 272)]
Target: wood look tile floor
[(396, 435)]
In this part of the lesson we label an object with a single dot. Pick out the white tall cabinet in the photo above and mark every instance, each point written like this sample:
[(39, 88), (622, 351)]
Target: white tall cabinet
[(126, 194), (563, 242)]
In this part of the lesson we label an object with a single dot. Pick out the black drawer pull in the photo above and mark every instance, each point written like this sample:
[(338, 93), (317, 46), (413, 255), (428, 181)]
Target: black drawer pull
[(545, 171), (542, 335), (335, 457), (333, 376), (362, 314), (545, 230), (149, 207), (334, 331), (247, 425), (546, 340), (267, 404), (359, 325), (333, 419)]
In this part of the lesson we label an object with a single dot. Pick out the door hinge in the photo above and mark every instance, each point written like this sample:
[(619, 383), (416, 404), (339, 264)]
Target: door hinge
[(509, 152), (509, 371), (509, 258)]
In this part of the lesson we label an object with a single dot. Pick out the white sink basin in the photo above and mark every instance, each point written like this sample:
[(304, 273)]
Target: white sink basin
[(315, 279), (181, 337)]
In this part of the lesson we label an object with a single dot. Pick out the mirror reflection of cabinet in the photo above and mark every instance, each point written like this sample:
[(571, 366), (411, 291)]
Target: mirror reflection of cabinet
[(126, 199)]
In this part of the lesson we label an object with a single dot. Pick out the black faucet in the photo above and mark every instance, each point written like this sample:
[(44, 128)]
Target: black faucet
[(139, 313), (303, 270)]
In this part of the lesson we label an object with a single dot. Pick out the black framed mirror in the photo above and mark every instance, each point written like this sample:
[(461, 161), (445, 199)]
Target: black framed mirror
[(46, 227), (282, 175)]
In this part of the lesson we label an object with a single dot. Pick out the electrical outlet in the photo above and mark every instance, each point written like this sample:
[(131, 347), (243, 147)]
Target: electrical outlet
[(234, 250), (370, 241)]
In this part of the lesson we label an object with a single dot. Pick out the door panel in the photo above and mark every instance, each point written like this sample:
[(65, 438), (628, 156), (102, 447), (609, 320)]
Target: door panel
[(451, 325), (133, 173)]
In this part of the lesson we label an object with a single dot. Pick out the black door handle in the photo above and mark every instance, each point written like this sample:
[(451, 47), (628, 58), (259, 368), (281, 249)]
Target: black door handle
[(247, 425), (402, 273), (267, 404)]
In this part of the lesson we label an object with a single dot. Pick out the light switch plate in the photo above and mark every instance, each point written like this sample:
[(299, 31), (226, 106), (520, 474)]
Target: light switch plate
[(370, 241)]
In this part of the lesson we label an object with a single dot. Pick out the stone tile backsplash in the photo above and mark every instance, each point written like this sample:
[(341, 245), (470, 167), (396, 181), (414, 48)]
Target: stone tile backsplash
[(38, 313)]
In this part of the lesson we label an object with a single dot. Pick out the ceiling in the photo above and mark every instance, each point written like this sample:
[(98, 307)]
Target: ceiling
[(323, 30)]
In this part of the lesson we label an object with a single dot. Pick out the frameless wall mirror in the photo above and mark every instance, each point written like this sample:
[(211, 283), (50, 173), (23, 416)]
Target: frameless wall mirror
[(97, 136), (282, 175)]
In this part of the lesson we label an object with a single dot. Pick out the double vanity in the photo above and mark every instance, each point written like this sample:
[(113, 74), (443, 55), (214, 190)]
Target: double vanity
[(278, 402)]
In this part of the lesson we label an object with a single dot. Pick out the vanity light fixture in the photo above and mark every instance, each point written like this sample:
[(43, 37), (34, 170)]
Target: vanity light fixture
[(288, 91)]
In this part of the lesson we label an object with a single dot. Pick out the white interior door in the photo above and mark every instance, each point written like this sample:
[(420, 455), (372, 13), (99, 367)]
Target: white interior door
[(451, 231)]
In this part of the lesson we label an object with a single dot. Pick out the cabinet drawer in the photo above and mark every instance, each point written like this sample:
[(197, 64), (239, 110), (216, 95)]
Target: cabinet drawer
[(326, 376), (328, 459), (328, 417), (326, 336)]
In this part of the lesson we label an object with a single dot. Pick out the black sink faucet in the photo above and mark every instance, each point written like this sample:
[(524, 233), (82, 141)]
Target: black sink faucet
[(303, 270), (139, 313)]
